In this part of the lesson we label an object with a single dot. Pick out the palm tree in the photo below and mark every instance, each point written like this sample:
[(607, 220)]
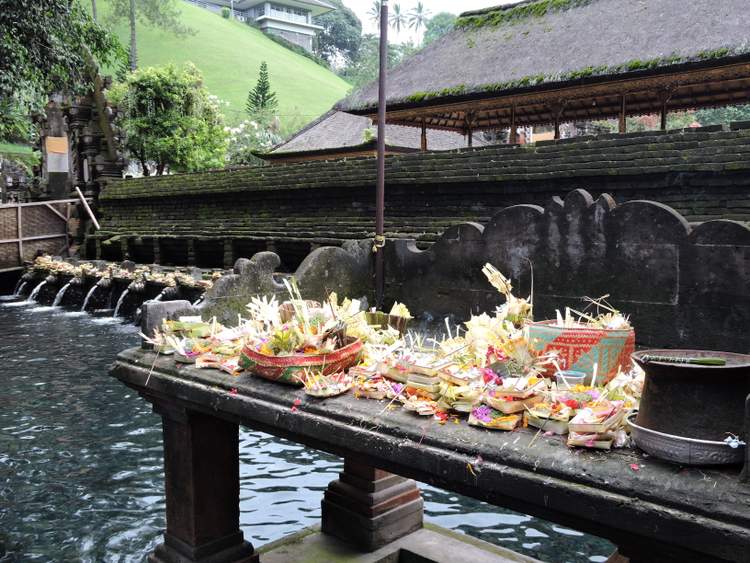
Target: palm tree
[(374, 11), (418, 17), (397, 19)]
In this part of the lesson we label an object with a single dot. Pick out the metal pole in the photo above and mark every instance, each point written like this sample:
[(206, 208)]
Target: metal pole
[(380, 189)]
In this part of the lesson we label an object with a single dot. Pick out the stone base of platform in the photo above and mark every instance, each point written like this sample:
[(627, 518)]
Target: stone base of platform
[(431, 544)]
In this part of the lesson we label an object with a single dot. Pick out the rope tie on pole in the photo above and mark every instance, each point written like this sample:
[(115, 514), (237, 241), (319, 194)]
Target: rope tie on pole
[(379, 242)]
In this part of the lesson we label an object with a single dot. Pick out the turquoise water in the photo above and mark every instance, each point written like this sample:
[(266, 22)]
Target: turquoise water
[(81, 460)]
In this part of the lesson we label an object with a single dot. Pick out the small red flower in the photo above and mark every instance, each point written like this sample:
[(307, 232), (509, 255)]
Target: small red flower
[(635, 467), (233, 391), (297, 402), (294, 409)]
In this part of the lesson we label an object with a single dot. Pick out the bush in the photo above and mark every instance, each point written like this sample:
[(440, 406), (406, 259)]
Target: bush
[(225, 13), (171, 122)]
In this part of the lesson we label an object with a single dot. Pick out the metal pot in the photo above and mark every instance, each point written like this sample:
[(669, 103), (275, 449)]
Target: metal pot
[(694, 401)]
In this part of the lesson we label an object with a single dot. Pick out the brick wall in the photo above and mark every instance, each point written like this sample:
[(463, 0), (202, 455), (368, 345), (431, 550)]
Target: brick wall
[(702, 173)]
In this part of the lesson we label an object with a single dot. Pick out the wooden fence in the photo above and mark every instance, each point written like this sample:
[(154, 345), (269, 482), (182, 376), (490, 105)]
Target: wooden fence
[(27, 228)]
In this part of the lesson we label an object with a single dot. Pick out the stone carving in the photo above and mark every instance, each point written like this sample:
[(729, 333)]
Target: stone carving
[(681, 285), (326, 269)]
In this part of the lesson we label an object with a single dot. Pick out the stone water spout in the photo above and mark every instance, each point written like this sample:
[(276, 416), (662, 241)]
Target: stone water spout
[(89, 295), (61, 294), (35, 293), (120, 301), (20, 286)]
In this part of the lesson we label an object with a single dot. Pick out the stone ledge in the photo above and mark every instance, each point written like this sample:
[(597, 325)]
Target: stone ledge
[(430, 544)]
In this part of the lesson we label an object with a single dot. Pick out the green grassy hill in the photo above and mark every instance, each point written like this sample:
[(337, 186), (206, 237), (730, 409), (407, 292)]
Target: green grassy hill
[(229, 54)]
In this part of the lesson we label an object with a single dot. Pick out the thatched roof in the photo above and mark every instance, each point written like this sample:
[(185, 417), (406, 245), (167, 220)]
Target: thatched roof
[(548, 43), (337, 130)]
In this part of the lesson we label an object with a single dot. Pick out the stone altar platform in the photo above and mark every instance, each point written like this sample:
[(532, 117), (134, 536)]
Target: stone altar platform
[(660, 512), (431, 544)]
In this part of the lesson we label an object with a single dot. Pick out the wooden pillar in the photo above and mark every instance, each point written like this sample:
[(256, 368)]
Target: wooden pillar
[(623, 123), (423, 143), (469, 124), (202, 486), (556, 109), (369, 507), (664, 96), (512, 137), (19, 231)]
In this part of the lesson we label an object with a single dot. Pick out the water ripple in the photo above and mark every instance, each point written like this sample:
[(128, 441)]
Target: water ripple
[(81, 476)]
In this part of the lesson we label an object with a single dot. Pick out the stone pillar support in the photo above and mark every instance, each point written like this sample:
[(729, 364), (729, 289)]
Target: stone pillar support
[(202, 485), (156, 242), (191, 252), (228, 254), (125, 248), (369, 507)]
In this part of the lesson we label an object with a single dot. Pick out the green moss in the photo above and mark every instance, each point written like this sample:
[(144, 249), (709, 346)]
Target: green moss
[(533, 80), (715, 54), (518, 13)]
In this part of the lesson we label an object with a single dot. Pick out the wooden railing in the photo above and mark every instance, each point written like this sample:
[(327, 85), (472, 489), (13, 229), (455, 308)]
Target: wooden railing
[(28, 228)]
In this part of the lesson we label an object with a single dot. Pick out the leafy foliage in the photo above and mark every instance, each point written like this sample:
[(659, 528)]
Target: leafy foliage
[(44, 45), (157, 13), (418, 17), (170, 121), (341, 34), (261, 99), (727, 114), (366, 65), (251, 137), (437, 26), (397, 19), (374, 12)]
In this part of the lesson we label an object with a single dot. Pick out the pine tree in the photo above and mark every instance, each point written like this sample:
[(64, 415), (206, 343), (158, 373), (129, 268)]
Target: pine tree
[(261, 99)]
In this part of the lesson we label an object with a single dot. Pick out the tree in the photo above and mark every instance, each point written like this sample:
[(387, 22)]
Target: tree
[(726, 114), (397, 19), (45, 46), (261, 100), (437, 26), (418, 17), (374, 12), (365, 67), (93, 9), (158, 13), (171, 122), (341, 34)]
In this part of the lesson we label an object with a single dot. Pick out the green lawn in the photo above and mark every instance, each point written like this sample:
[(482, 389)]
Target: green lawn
[(229, 54), (11, 148)]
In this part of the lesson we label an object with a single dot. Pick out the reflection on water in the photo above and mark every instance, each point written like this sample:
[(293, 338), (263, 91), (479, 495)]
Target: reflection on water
[(81, 460)]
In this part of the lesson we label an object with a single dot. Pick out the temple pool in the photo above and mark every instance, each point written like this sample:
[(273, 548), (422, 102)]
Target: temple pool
[(81, 460)]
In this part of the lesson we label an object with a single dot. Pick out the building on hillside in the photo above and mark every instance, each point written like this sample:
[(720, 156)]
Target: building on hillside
[(537, 63), (338, 135), (290, 19)]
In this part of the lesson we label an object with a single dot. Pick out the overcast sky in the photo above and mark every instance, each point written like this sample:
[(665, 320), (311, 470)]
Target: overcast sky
[(361, 7)]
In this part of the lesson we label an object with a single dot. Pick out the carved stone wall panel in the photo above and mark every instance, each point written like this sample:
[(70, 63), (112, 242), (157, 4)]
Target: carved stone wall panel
[(681, 287)]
